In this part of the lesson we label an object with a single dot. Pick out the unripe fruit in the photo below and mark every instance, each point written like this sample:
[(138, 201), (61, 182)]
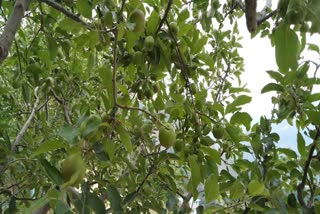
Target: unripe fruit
[(137, 17), (218, 132), (149, 43), (167, 135), (141, 95), (156, 87), (73, 170), (148, 92), (174, 28), (296, 11)]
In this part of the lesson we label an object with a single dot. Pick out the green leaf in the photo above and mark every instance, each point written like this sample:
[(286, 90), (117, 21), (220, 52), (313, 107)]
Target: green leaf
[(48, 146), (125, 137), (301, 145), (69, 133), (313, 15), (130, 197), (287, 47), (216, 156), (68, 25), (52, 47), (35, 205), (26, 93), (211, 188), (314, 47), (52, 172), (131, 38), (105, 74), (115, 199), (237, 190), (272, 87), (95, 203), (276, 76), (241, 118), (288, 152), (256, 188), (314, 97), (84, 8), (195, 175), (233, 133), (109, 146), (61, 207), (314, 116), (153, 22), (92, 124), (241, 100)]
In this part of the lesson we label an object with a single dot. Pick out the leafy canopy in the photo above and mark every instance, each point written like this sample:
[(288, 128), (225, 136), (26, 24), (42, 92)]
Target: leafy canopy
[(87, 78)]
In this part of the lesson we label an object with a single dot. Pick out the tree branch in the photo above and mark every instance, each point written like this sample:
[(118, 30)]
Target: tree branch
[(266, 17), (12, 27), (260, 19), (302, 184), (164, 18), (27, 123), (63, 10)]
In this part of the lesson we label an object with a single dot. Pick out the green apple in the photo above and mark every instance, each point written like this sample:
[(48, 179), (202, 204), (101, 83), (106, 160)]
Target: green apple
[(137, 17), (73, 170), (218, 132), (148, 92), (167, 135), (296, 11), (174, 28), (149, 43)]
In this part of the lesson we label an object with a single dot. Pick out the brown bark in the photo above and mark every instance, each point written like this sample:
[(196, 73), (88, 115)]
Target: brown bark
[(251, 15), (12, 27)]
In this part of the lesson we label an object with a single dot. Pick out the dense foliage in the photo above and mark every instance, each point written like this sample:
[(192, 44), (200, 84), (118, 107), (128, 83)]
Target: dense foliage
[(88, 84)]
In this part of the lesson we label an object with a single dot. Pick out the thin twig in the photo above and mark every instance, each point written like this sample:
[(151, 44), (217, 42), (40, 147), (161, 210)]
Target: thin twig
[(137, 109), (22, 132), (27, 123), (266, 17), (302, 184), (150, 171), (222, 83), (63, 10), (165, 16)]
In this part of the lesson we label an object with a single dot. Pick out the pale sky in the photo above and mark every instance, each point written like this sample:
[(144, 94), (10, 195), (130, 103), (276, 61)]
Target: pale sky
[(259, 57)]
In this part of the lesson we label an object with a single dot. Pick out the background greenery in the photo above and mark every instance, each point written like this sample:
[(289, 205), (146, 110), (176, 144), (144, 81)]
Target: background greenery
[(81, 87)]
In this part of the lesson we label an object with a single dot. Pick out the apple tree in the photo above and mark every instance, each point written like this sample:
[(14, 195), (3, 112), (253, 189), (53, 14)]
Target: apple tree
[(135, 106)]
